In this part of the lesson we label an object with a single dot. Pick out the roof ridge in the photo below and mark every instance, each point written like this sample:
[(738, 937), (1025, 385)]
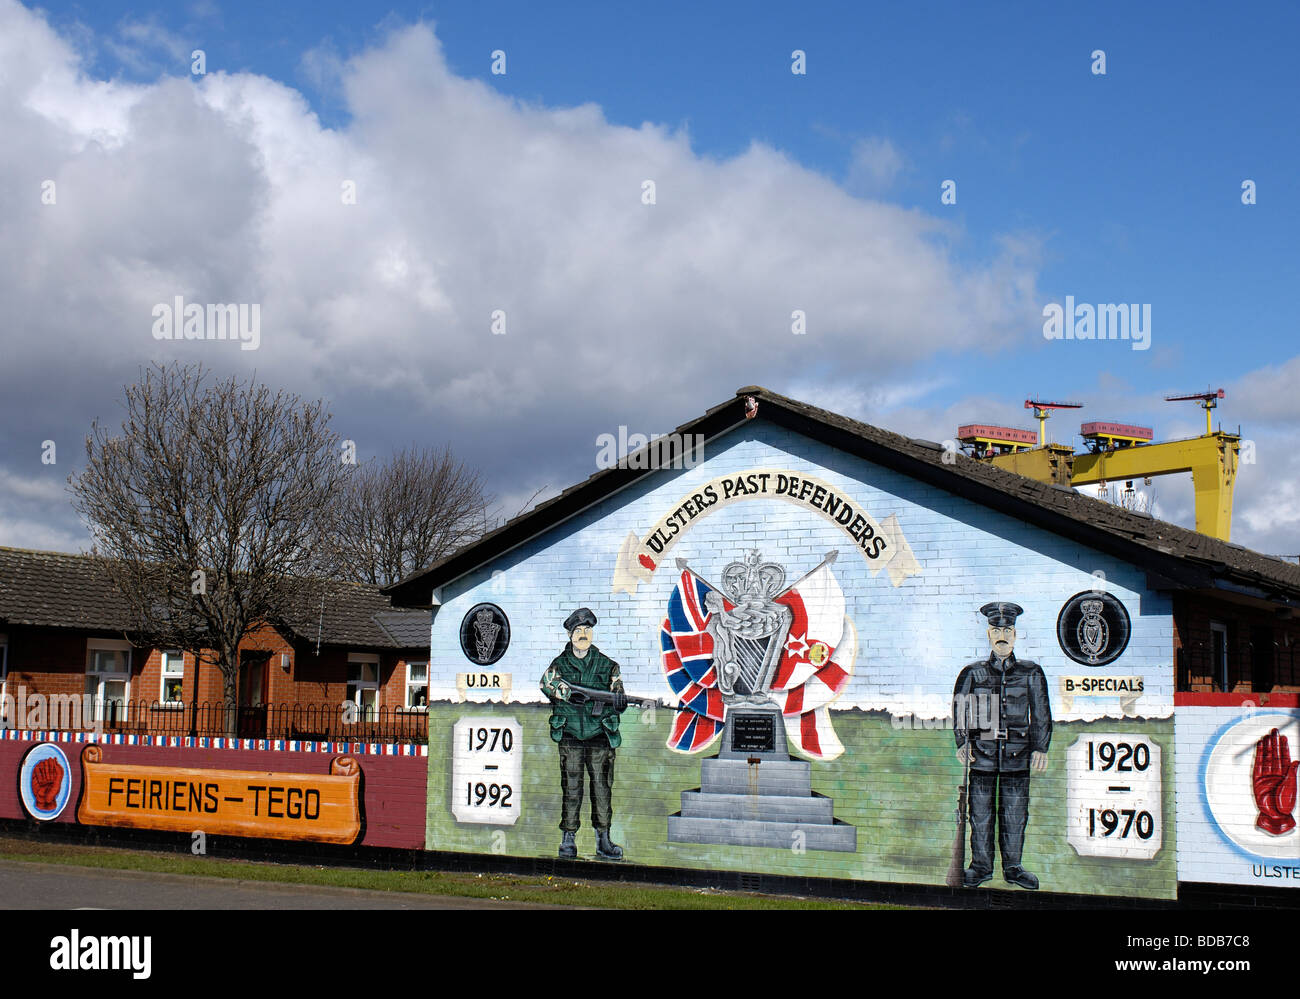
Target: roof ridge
[(91, 556), (45, 551), (1141, 522)]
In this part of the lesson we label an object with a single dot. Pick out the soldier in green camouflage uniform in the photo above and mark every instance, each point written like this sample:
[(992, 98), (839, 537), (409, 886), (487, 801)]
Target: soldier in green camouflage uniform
[(587, 741)]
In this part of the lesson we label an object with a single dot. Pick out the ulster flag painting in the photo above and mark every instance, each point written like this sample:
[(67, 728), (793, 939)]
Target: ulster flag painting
[(753, 640), (816, 661)]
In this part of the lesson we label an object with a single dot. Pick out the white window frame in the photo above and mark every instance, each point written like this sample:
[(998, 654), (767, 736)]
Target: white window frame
[(1221, 666), (359, 685), (411, 684), (101, 677), (165, 657), (4, 671)]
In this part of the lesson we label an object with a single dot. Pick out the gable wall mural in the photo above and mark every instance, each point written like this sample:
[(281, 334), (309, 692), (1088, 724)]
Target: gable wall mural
[(790, 660)]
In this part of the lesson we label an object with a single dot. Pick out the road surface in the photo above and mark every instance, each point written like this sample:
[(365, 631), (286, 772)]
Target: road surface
[(26, 885)]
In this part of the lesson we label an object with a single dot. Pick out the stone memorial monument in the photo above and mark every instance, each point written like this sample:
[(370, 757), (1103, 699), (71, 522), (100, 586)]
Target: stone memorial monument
[(753, 793)]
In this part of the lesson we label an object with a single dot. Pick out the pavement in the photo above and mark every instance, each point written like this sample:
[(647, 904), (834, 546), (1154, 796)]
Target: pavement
[(27, 885)]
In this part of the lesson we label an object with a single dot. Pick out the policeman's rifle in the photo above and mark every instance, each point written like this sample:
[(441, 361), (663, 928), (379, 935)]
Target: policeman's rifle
[(957, 865)]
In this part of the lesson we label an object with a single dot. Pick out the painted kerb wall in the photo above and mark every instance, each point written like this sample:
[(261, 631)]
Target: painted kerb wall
[(185, 788)]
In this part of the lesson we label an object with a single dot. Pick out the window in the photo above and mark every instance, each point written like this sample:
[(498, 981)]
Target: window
[(108, 677), (363, 685), (173, 677), (417, 686), (1219, 654), (1263, 659)]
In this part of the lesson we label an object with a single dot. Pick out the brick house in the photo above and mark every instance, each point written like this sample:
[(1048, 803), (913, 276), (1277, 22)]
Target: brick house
[(355, 668)]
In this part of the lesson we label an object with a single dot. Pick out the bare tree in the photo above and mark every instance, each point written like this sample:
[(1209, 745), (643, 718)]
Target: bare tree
[(404, 514), (212, 510)]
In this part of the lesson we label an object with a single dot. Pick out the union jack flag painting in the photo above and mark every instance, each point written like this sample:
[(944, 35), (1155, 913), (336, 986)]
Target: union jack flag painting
[(815, 664), (687, 652)]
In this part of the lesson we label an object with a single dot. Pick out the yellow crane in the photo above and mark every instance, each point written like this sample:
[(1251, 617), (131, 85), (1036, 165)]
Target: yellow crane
[(1121, 451)]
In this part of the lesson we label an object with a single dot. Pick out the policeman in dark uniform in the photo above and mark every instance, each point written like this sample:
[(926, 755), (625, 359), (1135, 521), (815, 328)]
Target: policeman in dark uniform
[(587, 741), (1012, 694)]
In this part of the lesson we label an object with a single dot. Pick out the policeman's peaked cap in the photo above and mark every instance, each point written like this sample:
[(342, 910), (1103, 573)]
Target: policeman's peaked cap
[(581, 618), (1002, 614)]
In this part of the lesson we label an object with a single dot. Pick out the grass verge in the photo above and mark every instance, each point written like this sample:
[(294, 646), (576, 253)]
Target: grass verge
[(514, 888)]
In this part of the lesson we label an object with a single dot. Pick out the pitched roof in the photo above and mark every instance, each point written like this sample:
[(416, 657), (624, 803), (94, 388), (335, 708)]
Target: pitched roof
[(408, 629), (64, 590), (58, 589), (1173, 556), (356, 614)]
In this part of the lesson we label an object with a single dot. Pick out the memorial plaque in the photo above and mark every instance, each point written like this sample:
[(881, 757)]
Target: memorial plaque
[(753, 732)]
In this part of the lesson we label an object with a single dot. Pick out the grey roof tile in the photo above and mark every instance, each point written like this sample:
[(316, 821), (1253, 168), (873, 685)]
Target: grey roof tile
[(65, 590)]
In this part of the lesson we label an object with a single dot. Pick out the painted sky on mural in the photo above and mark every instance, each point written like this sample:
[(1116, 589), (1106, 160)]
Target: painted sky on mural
[(774, 191)]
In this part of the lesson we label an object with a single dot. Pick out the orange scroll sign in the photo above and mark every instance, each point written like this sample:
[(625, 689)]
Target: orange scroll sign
[(325, 808)]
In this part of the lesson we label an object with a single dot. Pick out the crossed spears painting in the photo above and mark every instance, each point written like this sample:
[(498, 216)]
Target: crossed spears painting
[(788, 659)]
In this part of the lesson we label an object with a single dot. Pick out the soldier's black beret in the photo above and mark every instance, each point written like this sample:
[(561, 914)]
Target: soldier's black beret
[(1002, 614), (581, 618)]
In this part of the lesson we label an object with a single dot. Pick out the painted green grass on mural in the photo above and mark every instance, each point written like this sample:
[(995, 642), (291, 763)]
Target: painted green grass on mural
[(898, 787), (505, 887)]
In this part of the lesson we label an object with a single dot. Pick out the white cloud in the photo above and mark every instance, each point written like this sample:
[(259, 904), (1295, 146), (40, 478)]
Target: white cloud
[(26, 502), (38, 534), (874, 164), (228, 189), (871, 402), (47, 488), (145, 46)]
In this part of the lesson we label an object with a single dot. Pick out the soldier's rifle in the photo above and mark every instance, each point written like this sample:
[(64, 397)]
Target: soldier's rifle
[(599, 698)]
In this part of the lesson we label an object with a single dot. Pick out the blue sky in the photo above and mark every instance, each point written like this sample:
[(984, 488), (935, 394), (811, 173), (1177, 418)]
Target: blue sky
[(1132, 179), (1123, 187)]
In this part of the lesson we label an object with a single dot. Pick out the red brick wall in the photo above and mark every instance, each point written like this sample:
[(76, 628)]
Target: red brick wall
[(53, 661), (393, 787), (393, 689), (1193, 643), (147, 683), (323, 678)]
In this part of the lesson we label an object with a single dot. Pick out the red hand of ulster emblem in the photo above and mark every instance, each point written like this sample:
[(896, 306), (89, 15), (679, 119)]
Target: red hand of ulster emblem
[(47, 779), (1274, 783)]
